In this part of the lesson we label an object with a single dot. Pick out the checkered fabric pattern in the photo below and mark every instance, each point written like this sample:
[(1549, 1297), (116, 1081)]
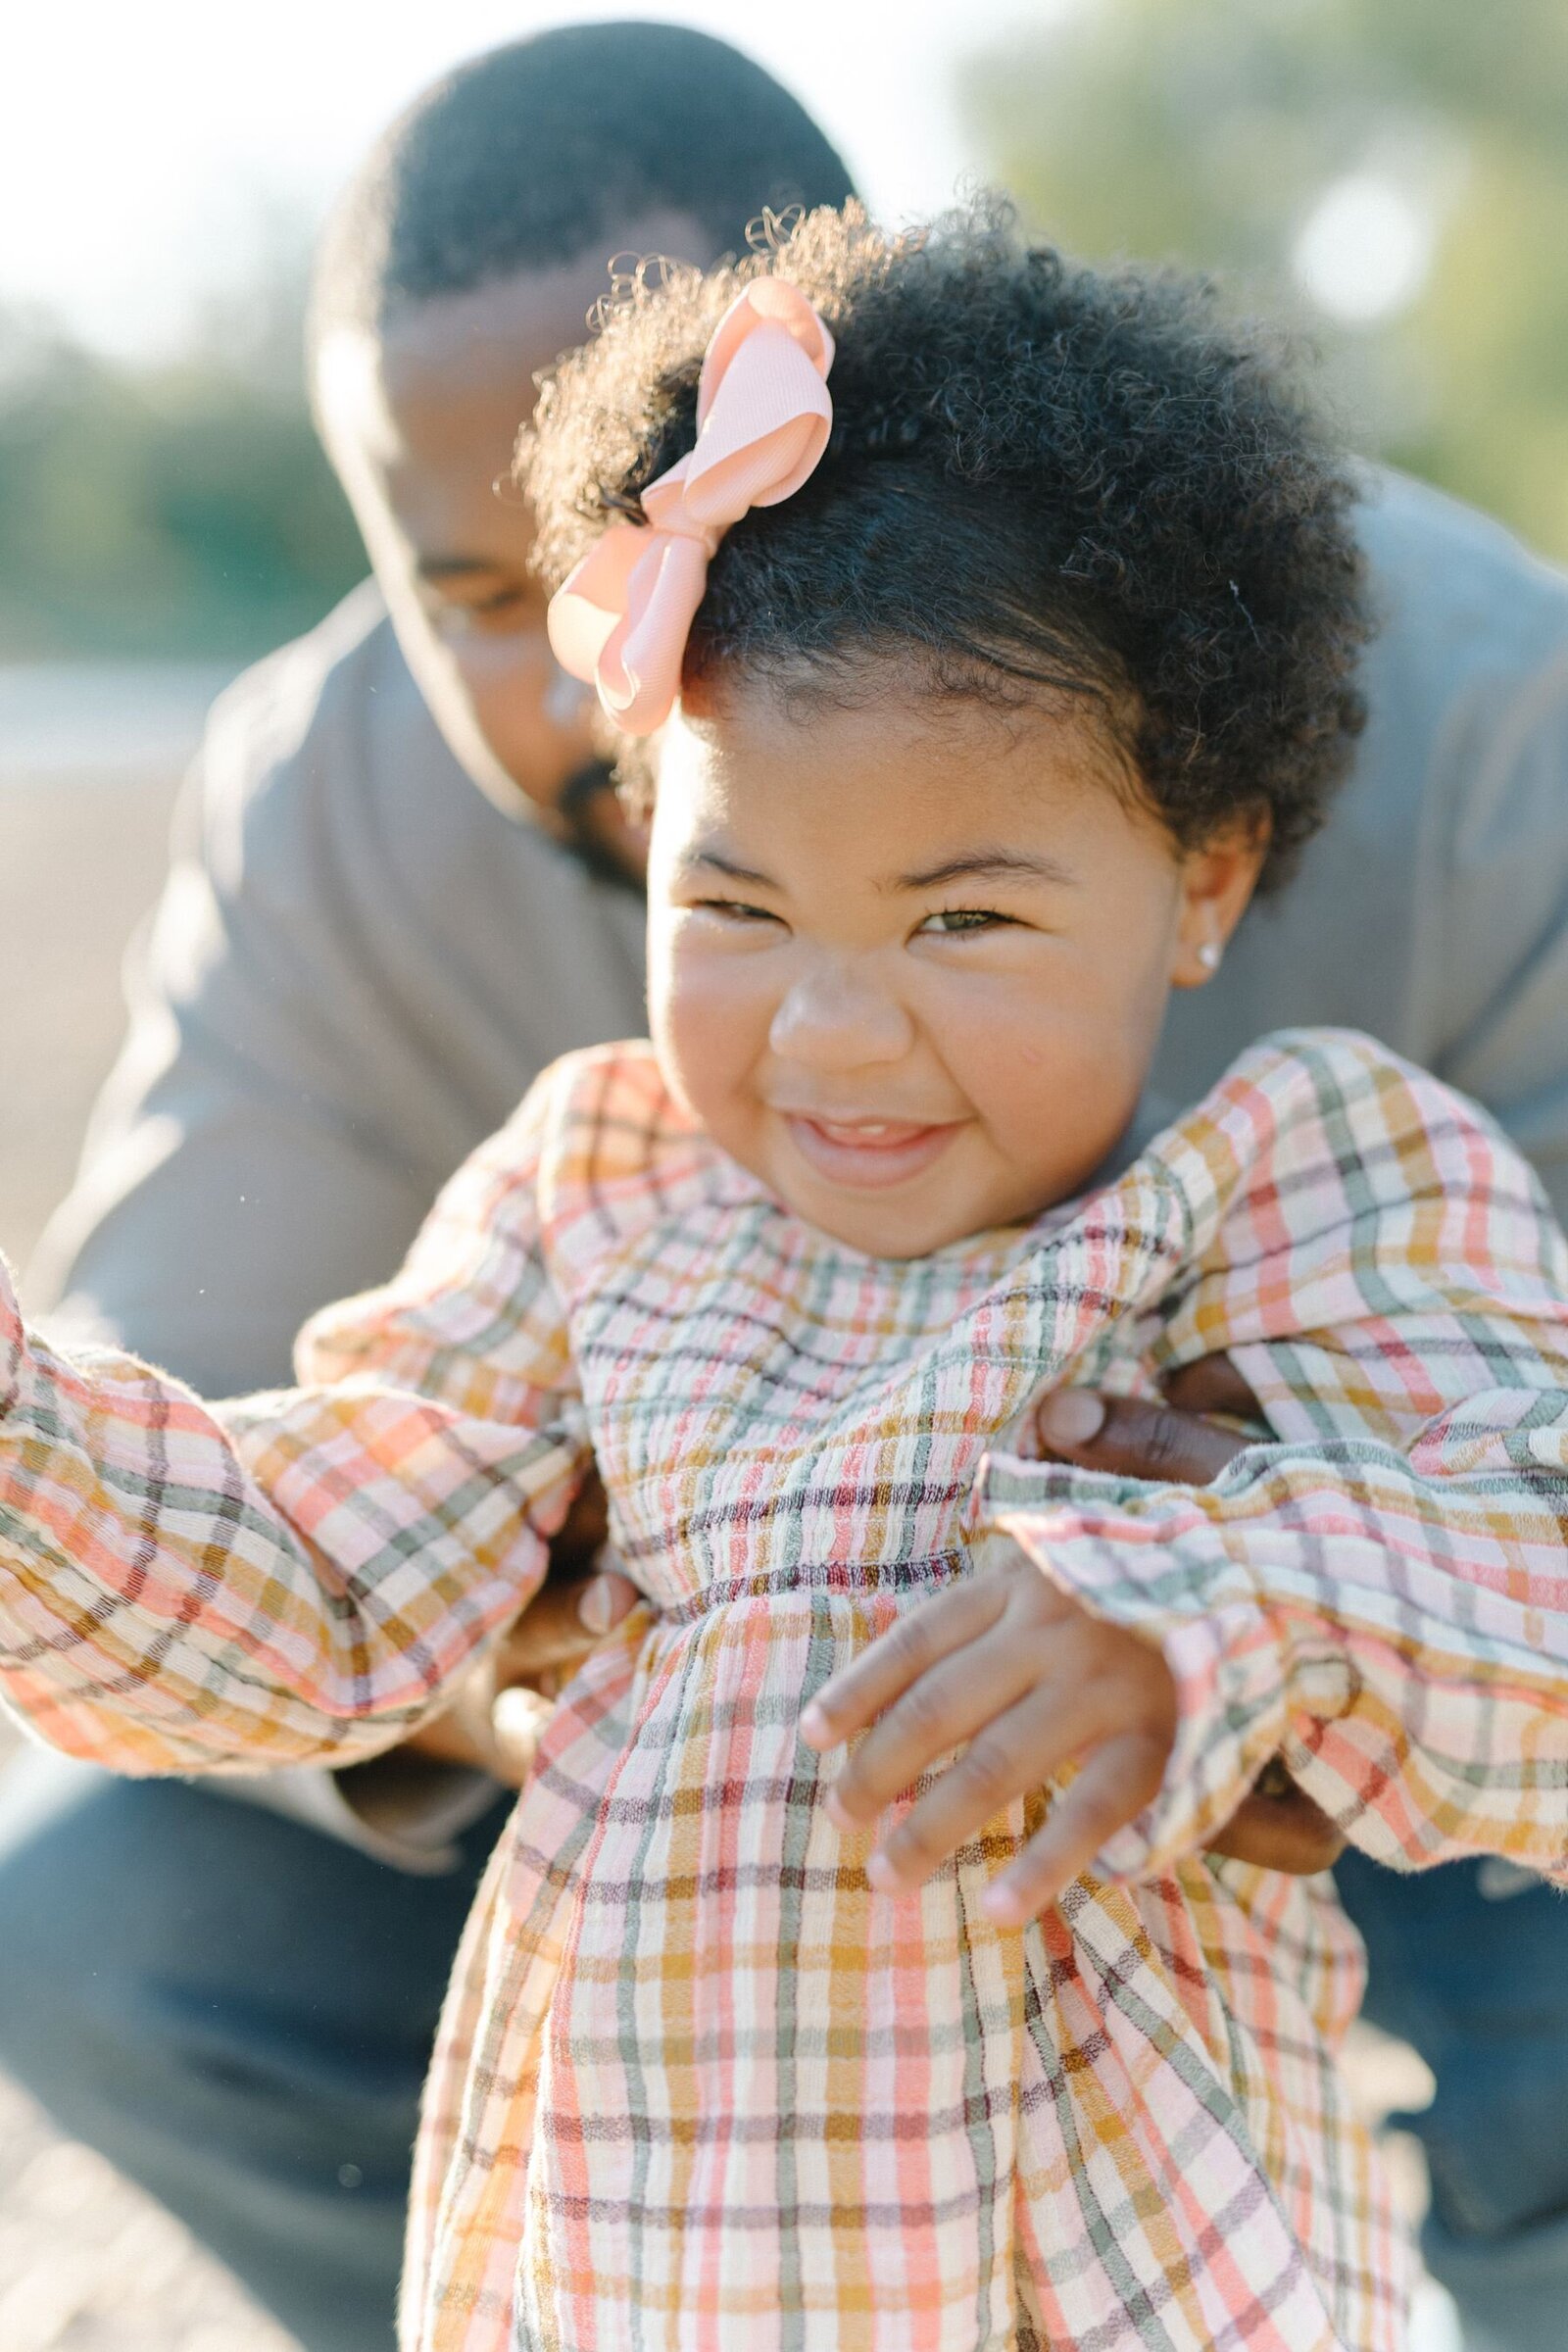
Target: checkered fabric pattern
[(697, 2084)]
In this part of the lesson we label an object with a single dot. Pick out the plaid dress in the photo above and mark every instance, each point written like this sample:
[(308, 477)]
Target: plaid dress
[(697, 2084)]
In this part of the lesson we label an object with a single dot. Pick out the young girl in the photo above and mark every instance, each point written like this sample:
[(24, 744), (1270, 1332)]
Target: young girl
[(992, 651)]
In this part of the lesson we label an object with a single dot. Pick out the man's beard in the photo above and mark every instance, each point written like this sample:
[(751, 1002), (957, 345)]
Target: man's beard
[(588, 793)]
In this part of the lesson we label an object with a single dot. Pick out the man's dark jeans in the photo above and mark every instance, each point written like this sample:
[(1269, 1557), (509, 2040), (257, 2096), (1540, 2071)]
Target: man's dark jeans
[(238, 2012)]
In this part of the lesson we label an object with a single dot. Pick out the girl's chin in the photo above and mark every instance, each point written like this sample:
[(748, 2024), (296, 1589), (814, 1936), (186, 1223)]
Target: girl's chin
[(911, 1221), (942, 1196)]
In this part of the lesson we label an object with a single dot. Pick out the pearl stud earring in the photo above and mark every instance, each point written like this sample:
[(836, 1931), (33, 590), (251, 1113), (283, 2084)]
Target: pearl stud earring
[(1210, 953)]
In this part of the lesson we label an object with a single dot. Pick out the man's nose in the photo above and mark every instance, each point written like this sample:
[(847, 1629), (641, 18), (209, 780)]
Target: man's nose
[(836, 1017)]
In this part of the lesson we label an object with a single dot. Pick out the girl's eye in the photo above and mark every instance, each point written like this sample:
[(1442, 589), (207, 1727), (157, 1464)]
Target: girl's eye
[(956, 919), (735, 910)]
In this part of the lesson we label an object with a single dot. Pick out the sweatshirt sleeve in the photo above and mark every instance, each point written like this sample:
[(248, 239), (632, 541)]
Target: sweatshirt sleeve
[(1380, 1595), (299, 1576)]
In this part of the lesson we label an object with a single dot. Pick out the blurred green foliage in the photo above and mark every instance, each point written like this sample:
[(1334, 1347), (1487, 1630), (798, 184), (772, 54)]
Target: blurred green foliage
[(1211, 131), (183, 508)]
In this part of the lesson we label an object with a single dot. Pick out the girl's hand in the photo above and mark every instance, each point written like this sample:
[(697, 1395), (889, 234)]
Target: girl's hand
[(1033, 1683)]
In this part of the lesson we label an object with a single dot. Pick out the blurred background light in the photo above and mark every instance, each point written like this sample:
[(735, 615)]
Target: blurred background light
[(1366, 249), (1390, 176)]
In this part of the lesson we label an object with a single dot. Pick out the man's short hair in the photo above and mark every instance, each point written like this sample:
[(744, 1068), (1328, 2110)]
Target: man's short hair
[(531, 155)]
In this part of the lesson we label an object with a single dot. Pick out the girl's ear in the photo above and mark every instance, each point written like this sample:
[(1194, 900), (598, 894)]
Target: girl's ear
[(1217, 881)]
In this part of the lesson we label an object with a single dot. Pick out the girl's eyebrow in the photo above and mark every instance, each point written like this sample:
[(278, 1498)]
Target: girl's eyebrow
[(988, 866), (725, 865)]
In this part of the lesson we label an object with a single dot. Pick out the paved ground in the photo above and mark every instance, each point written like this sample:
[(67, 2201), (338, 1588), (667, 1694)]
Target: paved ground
[(87, 2264)]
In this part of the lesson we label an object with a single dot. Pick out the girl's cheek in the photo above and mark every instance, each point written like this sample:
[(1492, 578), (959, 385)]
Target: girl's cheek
[(708, 1023), (1024, 1029), (670, 1005), (1048, 1075)]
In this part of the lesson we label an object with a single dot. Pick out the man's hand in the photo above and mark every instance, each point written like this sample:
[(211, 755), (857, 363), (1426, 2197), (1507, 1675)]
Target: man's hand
[(1276, 1826), (495, 1721), (1175, 1441), (1033, 1683)]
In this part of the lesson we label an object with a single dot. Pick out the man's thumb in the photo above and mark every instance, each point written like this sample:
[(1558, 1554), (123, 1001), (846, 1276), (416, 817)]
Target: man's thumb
[(1132, 1438)]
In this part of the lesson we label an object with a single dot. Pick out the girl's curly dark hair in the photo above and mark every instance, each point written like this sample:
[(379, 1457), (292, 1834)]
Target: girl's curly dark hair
[(1040, 477)]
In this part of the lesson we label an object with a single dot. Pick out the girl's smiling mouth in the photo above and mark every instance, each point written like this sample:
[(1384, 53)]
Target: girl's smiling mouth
[(868, 1152)]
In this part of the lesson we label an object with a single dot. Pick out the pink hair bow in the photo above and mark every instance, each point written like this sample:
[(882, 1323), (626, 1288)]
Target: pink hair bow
[(621, 617)]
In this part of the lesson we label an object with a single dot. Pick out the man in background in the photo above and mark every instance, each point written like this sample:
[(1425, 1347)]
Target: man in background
[(360, 963)]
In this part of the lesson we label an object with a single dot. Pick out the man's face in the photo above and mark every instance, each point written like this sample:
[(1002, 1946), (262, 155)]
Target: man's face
[(420, 420)]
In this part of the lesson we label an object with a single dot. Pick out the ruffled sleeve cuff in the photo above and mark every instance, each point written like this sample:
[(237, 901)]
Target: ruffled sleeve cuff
[(1140, 1567)]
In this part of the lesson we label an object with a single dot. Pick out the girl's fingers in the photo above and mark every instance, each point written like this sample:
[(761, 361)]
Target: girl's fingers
[(961, 1697), (1116, 1784), (909, 1648), (1010, 1755)]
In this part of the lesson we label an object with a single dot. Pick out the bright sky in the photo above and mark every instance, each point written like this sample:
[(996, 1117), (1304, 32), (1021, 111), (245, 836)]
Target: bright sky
[(144, 148)]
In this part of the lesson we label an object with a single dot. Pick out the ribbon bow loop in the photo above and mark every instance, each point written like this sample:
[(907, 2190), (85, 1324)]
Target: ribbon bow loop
[(622, 618)]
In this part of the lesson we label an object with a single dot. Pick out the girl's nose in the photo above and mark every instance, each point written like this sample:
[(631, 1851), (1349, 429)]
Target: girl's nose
[(835, 1019)]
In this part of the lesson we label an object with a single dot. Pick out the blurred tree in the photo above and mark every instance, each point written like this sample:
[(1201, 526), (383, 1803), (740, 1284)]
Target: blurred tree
[(181, 509), (1393, 173)]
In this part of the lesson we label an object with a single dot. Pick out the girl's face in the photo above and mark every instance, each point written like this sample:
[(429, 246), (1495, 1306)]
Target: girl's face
[(907, 963)]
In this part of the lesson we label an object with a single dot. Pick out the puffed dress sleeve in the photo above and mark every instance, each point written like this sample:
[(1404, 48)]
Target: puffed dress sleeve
[(301, 1574)]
